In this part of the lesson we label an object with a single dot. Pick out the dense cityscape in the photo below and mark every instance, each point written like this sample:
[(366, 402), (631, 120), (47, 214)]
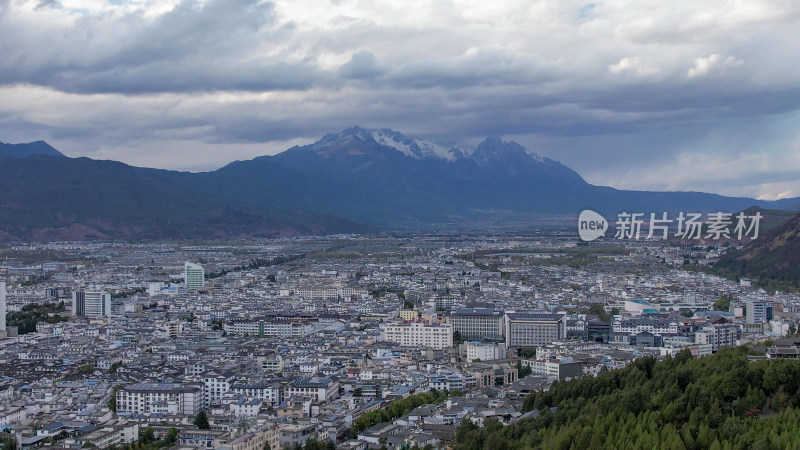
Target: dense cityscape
[(345, 341)]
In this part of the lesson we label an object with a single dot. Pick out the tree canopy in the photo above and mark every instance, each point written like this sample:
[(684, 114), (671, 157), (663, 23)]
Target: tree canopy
[(722, 401)]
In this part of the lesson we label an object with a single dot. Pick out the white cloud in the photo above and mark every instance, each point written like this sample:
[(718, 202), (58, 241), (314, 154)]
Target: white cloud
[(713, 65), (635, 65)]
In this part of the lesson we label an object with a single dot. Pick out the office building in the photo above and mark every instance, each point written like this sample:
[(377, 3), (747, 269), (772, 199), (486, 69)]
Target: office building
[(417, 334), (757, 311), (477, 323), (91, 304), (533, 329), (194, 276)]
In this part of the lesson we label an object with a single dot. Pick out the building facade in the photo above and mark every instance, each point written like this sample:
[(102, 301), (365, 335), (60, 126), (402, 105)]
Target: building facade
[(534, 329), (194, 276), (92, 304), (477, 323), (160, 398), (418, 334)]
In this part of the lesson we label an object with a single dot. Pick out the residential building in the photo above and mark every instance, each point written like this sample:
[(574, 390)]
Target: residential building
[(160, 398)]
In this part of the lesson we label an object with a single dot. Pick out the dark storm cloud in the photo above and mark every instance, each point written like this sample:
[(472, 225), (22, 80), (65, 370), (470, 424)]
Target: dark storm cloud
[(217, 45), (606, 88), (362, 66)]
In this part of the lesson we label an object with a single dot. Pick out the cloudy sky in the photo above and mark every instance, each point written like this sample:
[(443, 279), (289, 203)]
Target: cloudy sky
[(642, 94)]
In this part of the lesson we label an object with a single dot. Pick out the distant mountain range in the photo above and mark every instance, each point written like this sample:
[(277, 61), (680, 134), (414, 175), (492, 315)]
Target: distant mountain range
[(773, 259), (25, 150), (353, 181)]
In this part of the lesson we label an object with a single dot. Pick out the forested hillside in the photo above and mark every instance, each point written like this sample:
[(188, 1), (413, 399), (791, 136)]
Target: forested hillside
[(721, 401)]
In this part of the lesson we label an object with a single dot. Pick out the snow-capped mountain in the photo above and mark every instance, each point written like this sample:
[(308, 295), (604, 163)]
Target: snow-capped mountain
[(358, 141)]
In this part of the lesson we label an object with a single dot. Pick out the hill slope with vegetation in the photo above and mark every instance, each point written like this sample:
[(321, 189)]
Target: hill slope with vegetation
[(722, 401), (773, 260)]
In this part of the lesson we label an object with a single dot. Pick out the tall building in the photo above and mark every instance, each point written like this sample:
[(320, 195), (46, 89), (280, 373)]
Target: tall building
[(477, 323), (194, 276), (757, 311), (3, 331), (533, 329), (92, 304)]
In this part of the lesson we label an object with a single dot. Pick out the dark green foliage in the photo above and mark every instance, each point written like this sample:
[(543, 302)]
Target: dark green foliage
[(313, 444), (147, 441), (8, 442), (34, 313), (723, 303), (128, 293), (112, 402), (255, 263), (396, 409), (773, 259), (523, 370), (201, 421), (85, 369), (598, 310), (721, 401)]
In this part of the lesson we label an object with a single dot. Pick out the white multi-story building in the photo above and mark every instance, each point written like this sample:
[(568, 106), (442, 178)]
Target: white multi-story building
[(477, 323), (654, 326), (718, 336), (484, 351), (534, 329), (322, 389), (418, 334), (215, 387), (270, 393), (280, 328), (160, 398), (757, 310)]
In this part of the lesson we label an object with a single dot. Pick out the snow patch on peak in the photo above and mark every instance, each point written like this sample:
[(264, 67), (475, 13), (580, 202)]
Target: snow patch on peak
[(420, 148), (395, 141), (534, 156)]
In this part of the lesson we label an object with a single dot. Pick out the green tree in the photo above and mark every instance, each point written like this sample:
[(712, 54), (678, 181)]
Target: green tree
[(147, 435), (523, 370), (201, 421), (171, 438), (723, 303), (112, 402)]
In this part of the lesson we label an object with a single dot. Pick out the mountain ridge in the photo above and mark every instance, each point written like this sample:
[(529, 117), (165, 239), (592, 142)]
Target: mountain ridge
[(25, 150), (337, 184), (773, 259)]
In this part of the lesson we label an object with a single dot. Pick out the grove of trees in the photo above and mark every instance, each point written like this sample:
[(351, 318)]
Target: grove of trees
[(723, 401)]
